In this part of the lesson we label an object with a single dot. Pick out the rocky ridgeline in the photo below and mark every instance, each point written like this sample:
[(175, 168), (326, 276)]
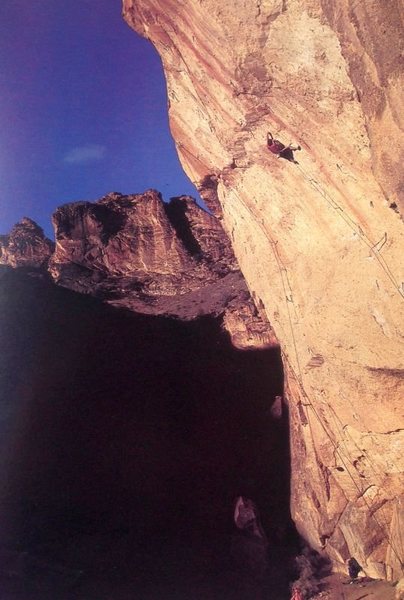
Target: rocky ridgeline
[(139, 253), (25, 246)]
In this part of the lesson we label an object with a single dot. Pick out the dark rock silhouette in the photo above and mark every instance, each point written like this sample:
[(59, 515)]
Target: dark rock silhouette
[(125, 439)]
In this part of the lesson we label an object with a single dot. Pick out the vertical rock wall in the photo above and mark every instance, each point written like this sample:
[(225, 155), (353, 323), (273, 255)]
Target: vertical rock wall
[(319, 242)]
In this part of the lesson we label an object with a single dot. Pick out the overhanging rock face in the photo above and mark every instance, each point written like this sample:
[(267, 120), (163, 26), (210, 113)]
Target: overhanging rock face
[(319, 242)]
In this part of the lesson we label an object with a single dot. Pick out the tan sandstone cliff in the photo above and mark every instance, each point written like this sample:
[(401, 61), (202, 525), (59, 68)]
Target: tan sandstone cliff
[(320, 242)]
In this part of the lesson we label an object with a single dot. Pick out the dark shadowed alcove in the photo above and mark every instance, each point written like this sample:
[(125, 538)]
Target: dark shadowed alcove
[(125, 439)]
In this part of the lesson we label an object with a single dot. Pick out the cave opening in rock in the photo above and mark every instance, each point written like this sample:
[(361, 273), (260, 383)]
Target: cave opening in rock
[(126, 441)]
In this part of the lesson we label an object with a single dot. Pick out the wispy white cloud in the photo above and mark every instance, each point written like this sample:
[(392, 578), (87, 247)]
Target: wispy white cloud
[(85, 154)]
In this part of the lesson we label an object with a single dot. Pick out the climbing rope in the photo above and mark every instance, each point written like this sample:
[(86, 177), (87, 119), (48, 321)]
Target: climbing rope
[(339, 453), (379, 474), (374, 248), (287, 289), (285, 282)]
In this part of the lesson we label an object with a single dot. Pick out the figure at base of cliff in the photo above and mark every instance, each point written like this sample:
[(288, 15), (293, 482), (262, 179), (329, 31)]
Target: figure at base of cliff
[(354, 569), (282, 151), (249, 549)]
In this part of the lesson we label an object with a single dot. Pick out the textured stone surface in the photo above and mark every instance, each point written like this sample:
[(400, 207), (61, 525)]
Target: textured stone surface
[(139, 253), (319, 242), (25, 246)]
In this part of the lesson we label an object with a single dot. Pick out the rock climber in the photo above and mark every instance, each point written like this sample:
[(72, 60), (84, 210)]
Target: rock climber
[(354, 568), (282, 151)]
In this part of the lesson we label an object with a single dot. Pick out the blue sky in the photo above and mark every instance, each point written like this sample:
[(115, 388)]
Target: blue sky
[(83, 109)]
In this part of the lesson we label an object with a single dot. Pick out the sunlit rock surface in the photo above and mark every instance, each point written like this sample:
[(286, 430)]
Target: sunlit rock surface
[(140, 253), (319, 242), (25, 246)]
